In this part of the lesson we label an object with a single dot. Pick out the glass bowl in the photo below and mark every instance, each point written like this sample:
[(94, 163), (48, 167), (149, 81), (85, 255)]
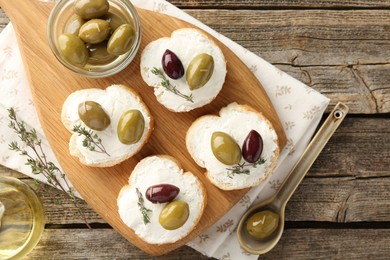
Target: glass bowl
[(60, 16), (22, 218)]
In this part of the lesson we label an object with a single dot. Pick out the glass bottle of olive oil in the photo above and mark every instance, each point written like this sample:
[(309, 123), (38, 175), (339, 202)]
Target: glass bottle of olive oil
[(21, 218)]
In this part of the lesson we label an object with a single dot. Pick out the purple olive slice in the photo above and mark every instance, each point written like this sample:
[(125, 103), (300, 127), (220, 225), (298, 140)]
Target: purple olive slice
[(161, 193), (172, 65), (252, 147)]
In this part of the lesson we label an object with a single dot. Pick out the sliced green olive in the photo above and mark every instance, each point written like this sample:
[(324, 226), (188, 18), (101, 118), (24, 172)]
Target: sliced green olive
[(262, 224), (174, 215), (98, 54), (225, 149), (131, 127), (94, 31), (74, 24), (73, 49), (89, 9), (114, 20), (93, 115), (200, 70), (121, 40)]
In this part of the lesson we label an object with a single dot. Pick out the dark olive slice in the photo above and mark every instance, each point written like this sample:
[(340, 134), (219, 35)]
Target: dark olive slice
[(252, 147), (161, 193), (172, 65)]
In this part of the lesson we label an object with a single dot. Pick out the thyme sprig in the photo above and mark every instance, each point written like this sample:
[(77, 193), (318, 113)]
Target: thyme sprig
[(145, 211), (242, 168), (37, 160), (167, 85), (91, 139)]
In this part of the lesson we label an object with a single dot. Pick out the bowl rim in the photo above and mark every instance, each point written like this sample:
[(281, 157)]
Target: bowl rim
[(90, 73)]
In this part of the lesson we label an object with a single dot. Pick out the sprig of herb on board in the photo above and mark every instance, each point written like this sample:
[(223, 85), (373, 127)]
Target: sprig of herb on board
[(145, 211), (167, 85), (242, 168), (37, 159), (91, 139)]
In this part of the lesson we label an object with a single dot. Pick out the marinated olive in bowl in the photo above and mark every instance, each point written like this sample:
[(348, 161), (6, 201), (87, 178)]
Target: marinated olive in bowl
[(105, 34)]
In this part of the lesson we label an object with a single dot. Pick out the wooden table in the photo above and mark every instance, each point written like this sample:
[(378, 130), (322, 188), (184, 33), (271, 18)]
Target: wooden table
[(342, 208)]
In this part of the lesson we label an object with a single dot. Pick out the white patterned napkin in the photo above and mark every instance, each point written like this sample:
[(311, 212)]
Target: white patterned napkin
[(299, 108)]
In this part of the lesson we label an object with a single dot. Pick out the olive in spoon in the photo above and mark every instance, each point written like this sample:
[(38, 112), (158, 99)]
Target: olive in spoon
[(261, 227)]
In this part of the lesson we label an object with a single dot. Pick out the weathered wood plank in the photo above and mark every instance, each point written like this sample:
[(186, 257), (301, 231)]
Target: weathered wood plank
[(359, 148), (4, 171), (307, 37), (364, 88), (332, 244), (341, 200), (294, 244), (96, 244), (282, 4), (347, 59)]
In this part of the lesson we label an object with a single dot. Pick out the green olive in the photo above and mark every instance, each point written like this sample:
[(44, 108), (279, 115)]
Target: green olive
[(74, 24), (131, 127), (98, 54), (262, 224), (225, 149), (93, 115), (121, 40), (90, 9), (199, 71), (94, 31), (174, 215), (73, 49), (114, 20)]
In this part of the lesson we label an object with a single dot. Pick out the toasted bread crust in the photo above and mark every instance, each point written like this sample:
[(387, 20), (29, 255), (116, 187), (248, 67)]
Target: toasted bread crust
[(200, 185), (74, 151), (221, 185), (212, 41)]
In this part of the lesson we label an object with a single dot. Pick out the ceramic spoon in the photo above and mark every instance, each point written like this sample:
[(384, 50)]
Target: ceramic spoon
[(278, 202)]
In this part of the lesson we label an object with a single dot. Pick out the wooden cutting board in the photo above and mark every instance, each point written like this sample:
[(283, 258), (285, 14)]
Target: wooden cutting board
[(51, 83)]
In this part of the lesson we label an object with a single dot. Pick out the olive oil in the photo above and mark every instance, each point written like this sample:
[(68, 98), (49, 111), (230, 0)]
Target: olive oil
[(22, 221)]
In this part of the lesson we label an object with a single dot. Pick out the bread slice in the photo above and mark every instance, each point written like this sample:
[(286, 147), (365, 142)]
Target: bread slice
[(115, 100), (153, 170), (237, 121), (186, 43)]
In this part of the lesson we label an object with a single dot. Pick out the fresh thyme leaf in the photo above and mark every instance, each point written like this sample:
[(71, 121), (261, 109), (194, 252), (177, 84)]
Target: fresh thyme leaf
[(144, 211), (167, 85), (37, 159), (91, 139), (242, 168)]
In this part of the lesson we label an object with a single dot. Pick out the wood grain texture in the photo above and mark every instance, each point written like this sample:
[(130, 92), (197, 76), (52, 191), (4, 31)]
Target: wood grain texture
[(348, 184), (321, 243), (348, 47), (51, 83), (346, 60), (280, 4)]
